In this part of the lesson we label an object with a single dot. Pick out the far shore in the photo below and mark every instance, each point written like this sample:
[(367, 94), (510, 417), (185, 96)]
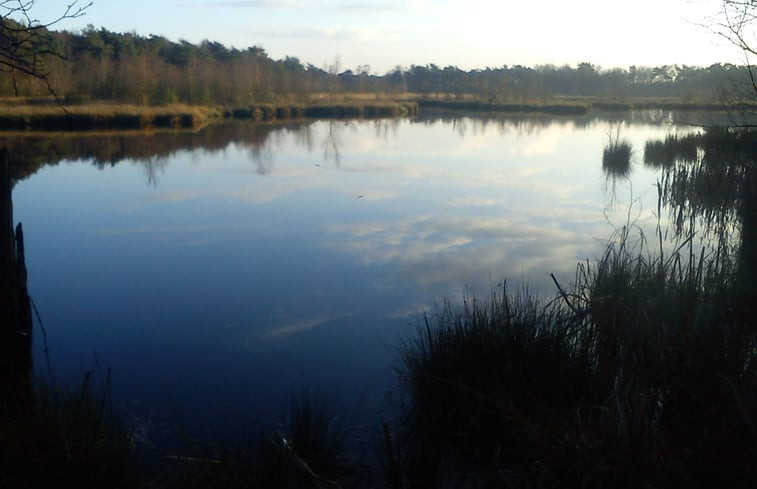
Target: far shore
[(49, 114)]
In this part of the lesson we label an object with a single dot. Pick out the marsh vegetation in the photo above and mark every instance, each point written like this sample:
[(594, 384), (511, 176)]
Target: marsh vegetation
[(641, 373)]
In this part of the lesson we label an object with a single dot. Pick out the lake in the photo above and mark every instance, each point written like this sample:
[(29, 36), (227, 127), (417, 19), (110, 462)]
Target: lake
[(218, 273)]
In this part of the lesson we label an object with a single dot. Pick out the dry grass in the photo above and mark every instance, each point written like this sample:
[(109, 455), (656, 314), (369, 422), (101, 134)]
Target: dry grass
[(13, 107), (47, 115)]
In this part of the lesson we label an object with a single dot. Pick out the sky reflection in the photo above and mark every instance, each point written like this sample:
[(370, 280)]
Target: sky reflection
[(276, 263)]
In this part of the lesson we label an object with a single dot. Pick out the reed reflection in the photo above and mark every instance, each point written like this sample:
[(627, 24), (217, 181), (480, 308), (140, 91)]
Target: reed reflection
[(709, 185)]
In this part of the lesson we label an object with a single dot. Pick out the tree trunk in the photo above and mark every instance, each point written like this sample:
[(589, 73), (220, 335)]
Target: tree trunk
[(15, 304)]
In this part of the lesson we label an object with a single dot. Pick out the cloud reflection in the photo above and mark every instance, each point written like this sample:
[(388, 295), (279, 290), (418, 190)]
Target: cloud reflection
[(435, 252), (295, 327)]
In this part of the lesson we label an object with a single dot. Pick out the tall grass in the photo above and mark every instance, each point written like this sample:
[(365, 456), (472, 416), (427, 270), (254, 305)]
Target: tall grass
[(309, 451), (66, 438), (641, 374)]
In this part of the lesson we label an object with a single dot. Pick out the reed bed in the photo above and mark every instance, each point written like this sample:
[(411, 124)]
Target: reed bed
[(347, 110), (88, 117), (566, 108), (641, 374)]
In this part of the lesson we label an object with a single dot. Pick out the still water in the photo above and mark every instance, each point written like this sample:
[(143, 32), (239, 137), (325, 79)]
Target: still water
[(222, 272)]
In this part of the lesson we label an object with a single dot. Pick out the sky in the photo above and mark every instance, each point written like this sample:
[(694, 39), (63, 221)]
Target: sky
[(469, 34)]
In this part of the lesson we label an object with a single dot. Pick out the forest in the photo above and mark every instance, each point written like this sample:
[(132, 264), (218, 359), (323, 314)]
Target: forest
[(97, 64)]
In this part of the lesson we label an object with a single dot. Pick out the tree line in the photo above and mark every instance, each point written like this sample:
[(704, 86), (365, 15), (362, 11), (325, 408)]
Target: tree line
[(127, 67)]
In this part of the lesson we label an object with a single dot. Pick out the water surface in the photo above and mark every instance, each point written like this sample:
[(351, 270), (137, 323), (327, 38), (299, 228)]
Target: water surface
[(219, 273)]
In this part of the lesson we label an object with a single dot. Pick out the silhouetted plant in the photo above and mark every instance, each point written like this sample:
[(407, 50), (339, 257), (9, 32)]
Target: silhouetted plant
[(309, 452), (640, 374), (616, 157), (664, 154), (66, 438)]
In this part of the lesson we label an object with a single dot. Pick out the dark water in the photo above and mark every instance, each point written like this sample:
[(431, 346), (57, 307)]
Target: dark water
[(218, 273)]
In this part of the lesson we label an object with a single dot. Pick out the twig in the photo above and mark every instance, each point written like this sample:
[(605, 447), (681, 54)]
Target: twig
[(564, 295), (45, 348)]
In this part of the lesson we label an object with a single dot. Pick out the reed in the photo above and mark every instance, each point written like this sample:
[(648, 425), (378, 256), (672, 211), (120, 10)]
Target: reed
[(65, 438), (616, 158), (563, 108), (350, 109), (674, 148), (612, 383), (309, 451)]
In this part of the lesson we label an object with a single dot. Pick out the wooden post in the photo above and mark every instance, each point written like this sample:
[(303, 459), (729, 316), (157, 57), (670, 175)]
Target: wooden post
[(15, 304)]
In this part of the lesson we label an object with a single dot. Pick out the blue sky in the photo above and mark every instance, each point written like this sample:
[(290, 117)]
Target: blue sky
[(387, 33)]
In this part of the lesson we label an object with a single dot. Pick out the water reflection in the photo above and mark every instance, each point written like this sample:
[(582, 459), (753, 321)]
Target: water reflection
[(264, 141), (332, 142), (152, 168), (437, 251), (276, 255), (151, 149), (709, 185)]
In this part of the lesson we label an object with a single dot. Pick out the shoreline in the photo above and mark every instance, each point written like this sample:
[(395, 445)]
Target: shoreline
[(54, 117), (105, 116)]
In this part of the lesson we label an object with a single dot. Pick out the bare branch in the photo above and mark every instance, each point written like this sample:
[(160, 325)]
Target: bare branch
[(25, 41), (736, 23)]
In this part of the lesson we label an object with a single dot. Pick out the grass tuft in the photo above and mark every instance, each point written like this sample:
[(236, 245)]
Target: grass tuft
[(616, 158)]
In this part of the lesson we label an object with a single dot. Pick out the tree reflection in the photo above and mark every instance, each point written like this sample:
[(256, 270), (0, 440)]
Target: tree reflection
[(152, 167), (152, 150), (530, 124), (332, 142), (385, 127)]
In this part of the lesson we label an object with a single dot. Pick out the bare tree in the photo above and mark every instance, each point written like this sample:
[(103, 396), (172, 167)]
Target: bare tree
[(25, 40), (736, 22)]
